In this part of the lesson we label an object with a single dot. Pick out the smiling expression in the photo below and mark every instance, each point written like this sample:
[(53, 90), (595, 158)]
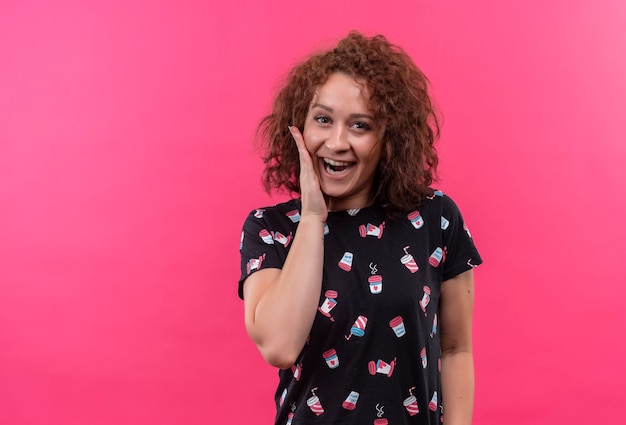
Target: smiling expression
[(342, 137)]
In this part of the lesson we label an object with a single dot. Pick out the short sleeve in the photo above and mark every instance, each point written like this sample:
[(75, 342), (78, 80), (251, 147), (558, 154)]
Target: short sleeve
[(262, 245), (459, 248)]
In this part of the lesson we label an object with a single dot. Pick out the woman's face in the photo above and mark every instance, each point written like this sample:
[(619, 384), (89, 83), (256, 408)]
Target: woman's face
[(342, 137)]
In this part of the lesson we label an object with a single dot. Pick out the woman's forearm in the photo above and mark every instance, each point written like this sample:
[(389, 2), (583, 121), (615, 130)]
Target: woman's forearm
[(457, 381)]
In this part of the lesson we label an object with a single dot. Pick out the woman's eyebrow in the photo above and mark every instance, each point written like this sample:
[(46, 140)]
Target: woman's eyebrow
[(329, 109)]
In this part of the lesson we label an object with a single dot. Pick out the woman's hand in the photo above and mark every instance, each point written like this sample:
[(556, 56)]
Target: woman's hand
[(313, 200)]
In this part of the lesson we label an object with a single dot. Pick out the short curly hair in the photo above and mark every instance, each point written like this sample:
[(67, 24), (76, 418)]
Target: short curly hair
[(400, 104)]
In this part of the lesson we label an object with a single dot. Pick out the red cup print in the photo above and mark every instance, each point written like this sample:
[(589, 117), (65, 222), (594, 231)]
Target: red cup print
[(358, 328), (314, 403), (376, 284), (410, 403), (408, 261), (397, 324), (425, 299), (329, 303), (423, 357), (436, 257), (416, 219), (350, 401), (346, 261), (331, 358), (432, 405), (267, 237), (294, 216)]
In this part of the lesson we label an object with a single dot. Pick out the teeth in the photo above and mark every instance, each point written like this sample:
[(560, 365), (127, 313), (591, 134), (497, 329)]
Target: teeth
[(336, 163)]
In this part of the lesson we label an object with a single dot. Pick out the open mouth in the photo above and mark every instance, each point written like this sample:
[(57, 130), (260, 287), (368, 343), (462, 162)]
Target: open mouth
[(336, 167)]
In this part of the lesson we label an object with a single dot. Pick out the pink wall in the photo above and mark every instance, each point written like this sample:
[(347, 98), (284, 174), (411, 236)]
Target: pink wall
[(125, 128)]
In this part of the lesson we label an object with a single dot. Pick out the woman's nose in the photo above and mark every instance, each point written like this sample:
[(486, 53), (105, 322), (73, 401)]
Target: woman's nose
[(338, 139)]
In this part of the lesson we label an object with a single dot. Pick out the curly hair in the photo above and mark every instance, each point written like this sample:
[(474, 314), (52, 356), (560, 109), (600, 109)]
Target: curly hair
[(399, 102)]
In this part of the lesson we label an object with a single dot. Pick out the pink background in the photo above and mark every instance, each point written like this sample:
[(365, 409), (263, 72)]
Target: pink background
[(126, 170)]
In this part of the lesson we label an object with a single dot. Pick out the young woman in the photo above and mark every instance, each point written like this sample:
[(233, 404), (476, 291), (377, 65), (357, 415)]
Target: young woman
[(360, 289)]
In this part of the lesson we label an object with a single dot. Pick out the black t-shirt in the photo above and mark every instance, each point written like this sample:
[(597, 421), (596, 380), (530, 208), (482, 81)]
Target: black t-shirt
[(373, 355)]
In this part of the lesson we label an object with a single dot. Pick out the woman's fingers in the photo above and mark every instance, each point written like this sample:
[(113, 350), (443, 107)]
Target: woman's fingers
[(312, 197)]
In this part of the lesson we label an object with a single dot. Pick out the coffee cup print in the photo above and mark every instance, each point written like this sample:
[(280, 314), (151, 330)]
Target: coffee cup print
[(289, 418), (381, 421), (314, 403), (432, 405), (350, 401), (254, 264), (444, 223), (329, 303), (346, 261), (267, 237), (397, 324), (282, 397), (259, 213), (358, 328), (332, 361), (423, 357), (433, 332), (435, 257), (376, 284), (410, 403), (425, 299), (372, 230), (297, 370), (408, 261), (381, 367), (280, 238), (294, 216), (416, 219)]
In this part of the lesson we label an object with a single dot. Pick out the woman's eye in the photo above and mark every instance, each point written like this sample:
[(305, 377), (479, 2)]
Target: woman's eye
[(362, 125), (322, 119)]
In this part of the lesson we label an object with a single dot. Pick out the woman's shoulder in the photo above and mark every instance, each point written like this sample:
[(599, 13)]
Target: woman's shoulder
[(284, 210)]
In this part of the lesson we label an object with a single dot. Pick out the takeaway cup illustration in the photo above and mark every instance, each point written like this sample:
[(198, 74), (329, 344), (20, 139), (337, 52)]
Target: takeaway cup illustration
[(416, 219), (434, 330), (350, 401), (280, 238), (371, 230), (381, 367), (332, 361), (444, 223), (425, 299), (267, 237), (436, 257), (314, 403), (433, 402), (294, 216), (376, 284), (297, 371), (408, 261), (358, 328), (410, 403), (397, 324), (282, 397), (423, 357), (346, 261), (289, 418), (329, 303)]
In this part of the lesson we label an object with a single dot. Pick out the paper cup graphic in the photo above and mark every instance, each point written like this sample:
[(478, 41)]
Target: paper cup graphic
[(289, 418), (444, 223), (433, 402), (346, 261), (410, 403), (435, 257), (328, 304), (326, 229), (296, 369), (423, 357), (331, 358), (416, 219), (376, 284), (314, 403), (282, 239), (408, 261), (258, 213), (282, 397), (350, 401), (434, 330), (267, 237), (397, 324), (381, 421), (425, 299), (294, 216), (358, 328), (385, 368)]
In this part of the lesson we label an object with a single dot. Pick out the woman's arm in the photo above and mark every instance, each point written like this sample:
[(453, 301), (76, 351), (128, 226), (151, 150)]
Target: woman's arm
[(280, 304), (457, 362)]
